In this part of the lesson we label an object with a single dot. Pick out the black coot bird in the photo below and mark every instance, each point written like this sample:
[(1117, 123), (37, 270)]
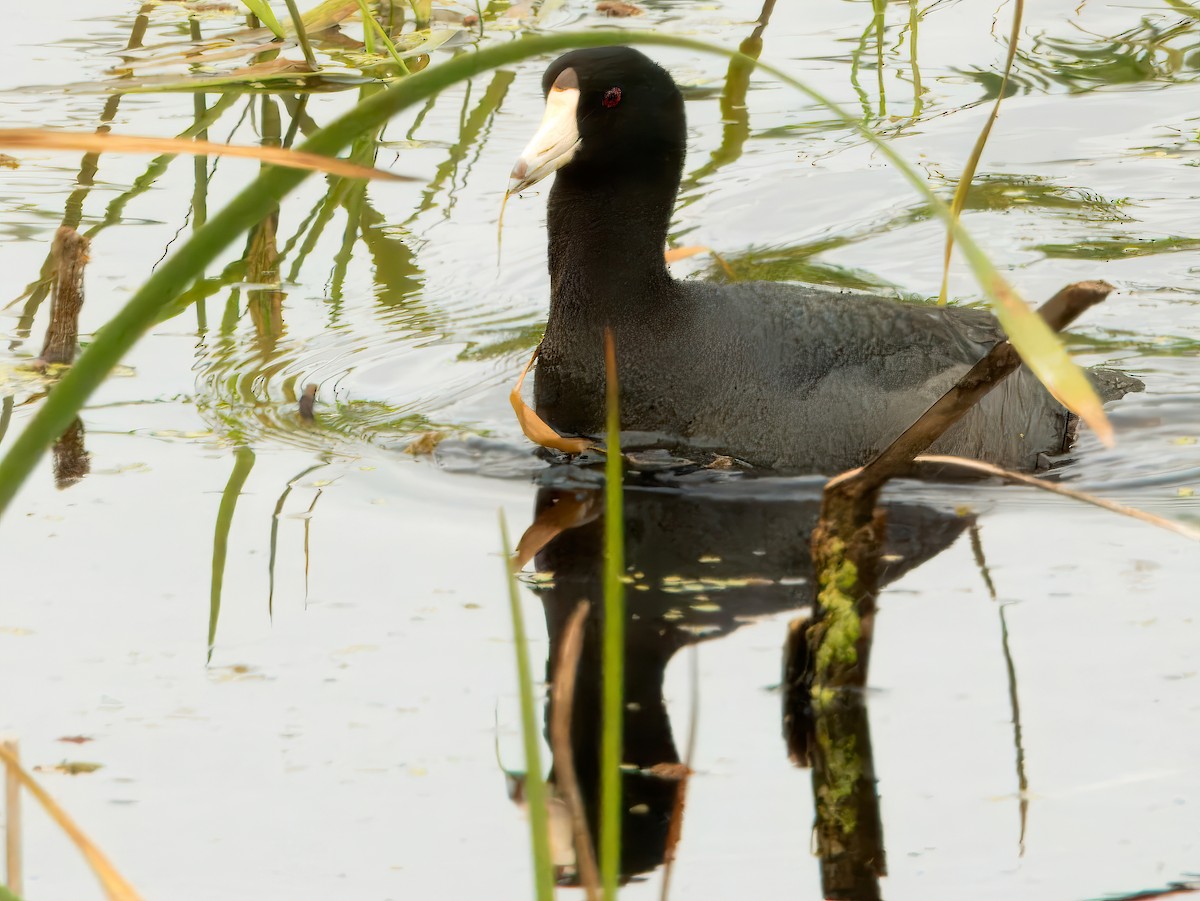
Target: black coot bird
[(783, 376)]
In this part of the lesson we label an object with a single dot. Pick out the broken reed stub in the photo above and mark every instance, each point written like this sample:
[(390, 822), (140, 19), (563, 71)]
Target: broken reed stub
[(70, 250), (308, 400), (71, 460)]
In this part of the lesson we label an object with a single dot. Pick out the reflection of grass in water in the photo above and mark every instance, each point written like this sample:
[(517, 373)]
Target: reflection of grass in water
[(520, 338), (795, 264), (535, 785), (995, 193), (1115, 342), (1001, 192), (1118, 248), (243, 462), (273, 544), (1151, 51)]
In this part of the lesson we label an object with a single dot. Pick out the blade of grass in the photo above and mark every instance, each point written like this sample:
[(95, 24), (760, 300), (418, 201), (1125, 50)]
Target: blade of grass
[(301, 34), (422, 11), (968, 175), (368, 31), (262, 11), (53, 139), (114, 885), (981, 468), (245, 209), (535, 786), (371, 28), (614, 637), (13, 857)]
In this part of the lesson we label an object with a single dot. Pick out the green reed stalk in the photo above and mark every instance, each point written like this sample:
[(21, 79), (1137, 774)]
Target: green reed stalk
[(535, 786), (614, 637), (968, 175), (262, 11), (1038, 346), (371, 28), (369, 32), (302, 35)]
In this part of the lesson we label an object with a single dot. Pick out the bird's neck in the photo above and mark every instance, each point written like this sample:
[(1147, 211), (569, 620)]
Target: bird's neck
[(606, 242)]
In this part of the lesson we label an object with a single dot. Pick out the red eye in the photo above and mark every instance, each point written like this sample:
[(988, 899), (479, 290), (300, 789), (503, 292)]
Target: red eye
[(612, 97)]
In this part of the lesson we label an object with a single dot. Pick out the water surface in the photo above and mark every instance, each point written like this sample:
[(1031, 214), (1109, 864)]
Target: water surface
[(326, 724)]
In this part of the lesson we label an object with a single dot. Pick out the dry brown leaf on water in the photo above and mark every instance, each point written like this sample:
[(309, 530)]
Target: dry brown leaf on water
[(211, 6), (618, 9), (196, 55), (76, 739), (114, 885), (70, 767), (91, 142), (534, 427), (323, 15), (425, 443), (281, 66), (675, 254)]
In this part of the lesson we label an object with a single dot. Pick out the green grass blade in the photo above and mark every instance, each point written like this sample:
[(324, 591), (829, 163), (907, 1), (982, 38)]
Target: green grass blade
[(368, 31), (262, 11), (114, 885), (535, 786), (1027, 331), (6, 895), (301, 34), (614, 638), (422, 12), (243, 462), (968, 175), (371, 28)]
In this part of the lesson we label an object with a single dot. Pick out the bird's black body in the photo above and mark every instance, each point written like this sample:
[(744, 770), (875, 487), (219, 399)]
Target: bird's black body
[(784, 376)]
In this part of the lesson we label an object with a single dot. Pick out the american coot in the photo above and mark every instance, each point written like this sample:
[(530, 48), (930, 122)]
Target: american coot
[(783, 376)]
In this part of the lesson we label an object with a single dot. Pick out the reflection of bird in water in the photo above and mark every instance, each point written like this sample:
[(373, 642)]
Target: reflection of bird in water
[(789, 377), (704, 561)]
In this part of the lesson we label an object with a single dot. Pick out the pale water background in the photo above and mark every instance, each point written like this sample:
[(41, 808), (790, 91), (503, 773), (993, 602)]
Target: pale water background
[(341, 745)]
